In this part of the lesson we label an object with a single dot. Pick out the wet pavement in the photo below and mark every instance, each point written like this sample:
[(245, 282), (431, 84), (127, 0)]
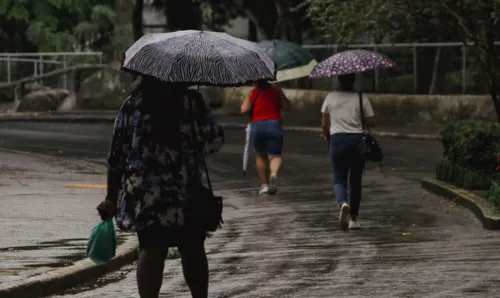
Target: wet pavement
[(44, 224), (413, 244)]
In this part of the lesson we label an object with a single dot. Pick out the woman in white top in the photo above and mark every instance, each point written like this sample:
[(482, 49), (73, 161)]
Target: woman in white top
[(342, 128)]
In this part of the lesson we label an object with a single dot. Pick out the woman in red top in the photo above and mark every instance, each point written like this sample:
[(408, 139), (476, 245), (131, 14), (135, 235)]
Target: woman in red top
[(265, 103)]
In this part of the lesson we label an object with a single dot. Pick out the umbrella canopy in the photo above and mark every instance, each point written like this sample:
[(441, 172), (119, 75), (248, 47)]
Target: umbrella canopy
[(292, 60), (199, 57), (349, 62)]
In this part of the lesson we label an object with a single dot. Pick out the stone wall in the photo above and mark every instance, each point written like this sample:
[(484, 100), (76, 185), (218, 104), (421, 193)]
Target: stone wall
[(390, 109)]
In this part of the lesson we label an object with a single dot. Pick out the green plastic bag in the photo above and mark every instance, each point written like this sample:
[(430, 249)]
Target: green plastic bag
[(102, 242)]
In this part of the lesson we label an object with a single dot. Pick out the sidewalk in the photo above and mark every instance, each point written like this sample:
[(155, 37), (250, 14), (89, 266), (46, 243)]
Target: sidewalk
[(45, 224)]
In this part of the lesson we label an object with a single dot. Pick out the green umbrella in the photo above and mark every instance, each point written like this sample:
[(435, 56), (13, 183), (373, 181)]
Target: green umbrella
[(292, 60)]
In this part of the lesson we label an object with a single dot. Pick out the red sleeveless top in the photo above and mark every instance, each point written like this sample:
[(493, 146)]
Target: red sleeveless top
[(266, 105)]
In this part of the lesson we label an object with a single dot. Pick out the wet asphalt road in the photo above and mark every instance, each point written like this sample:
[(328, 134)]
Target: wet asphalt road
[(413, 244)]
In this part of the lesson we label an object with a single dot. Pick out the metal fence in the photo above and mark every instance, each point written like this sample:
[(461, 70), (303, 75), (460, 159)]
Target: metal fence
[(15, 66), (421, 68)]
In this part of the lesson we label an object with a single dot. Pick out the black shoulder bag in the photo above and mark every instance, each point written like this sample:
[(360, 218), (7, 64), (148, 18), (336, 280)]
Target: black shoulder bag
[(370, 148), (204, 210)]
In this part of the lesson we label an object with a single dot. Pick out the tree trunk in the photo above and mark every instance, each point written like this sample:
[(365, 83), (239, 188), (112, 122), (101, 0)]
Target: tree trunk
[(290, 23), (137, 19), (264, 16), (435, 67), (183, 15), (495, 97), (124, 11)]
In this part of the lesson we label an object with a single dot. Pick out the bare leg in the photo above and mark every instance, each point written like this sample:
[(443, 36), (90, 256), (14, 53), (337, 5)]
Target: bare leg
[(275, 164), (195, 268), (262, 168), (150, 271)]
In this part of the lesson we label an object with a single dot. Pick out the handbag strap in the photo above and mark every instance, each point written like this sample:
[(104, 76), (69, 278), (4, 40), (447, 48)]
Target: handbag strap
[(197, 146), (362, 113)]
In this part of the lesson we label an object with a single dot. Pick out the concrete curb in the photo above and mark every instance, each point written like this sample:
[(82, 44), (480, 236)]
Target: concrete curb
[(464, 199), (96, 119), (59, 280)]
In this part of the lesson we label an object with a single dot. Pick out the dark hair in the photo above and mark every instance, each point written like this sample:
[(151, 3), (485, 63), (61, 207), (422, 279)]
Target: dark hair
[(263, 84), (165, 102), (347, 82)]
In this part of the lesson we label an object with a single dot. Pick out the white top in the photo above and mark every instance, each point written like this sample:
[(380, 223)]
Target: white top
[(345, 116)]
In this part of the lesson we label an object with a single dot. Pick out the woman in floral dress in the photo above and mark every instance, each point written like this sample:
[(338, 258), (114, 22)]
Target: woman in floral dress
[(152, 174)]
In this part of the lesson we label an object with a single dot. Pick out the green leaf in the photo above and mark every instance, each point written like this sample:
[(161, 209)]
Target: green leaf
[(103, 16), (18, 13)]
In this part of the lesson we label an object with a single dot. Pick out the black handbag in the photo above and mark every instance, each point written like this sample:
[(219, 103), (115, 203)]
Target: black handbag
[(370, 148), (204, 209)]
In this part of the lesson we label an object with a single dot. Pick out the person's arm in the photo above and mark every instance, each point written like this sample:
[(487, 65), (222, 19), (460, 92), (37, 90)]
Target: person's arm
[(116, 157), (368, 112), (284, 101), (325, 126), (325, 120), (247, 103)]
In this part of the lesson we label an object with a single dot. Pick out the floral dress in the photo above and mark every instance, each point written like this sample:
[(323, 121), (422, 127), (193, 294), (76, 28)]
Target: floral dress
[(152, 178)]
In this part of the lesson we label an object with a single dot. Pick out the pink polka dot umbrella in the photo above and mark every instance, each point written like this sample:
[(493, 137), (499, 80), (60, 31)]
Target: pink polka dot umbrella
[(348, 62)]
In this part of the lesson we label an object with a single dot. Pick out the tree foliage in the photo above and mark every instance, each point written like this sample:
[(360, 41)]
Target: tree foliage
[(55, 25), (468, 21)]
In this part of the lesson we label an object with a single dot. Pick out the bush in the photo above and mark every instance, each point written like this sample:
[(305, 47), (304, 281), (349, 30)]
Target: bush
[(463, 177), (472, 154), (474, 145), (494, 193)]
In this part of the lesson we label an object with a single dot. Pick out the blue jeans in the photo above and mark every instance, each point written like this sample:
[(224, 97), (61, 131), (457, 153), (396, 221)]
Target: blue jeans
[(348, 166), (267, 137)]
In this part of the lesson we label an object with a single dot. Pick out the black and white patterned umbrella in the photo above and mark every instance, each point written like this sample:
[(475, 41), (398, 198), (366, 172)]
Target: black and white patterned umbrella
[(199, 57)]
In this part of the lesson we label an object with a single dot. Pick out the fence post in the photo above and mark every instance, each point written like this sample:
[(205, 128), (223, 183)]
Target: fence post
[(8, 69), (375, 49), (464, 69), (65, 76), (415, 70), (41, 67)]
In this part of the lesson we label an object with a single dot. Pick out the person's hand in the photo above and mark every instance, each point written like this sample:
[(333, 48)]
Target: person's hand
[(325, 137), (106, 209)]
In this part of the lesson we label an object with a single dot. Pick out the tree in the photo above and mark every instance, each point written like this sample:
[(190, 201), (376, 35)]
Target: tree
[(55, 25), (476, 23), (137, 20), (273, 18)]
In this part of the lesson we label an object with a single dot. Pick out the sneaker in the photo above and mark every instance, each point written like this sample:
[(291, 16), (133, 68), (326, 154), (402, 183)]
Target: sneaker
[(354, 225), (273, 187), (264, 189), (344, 217)]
